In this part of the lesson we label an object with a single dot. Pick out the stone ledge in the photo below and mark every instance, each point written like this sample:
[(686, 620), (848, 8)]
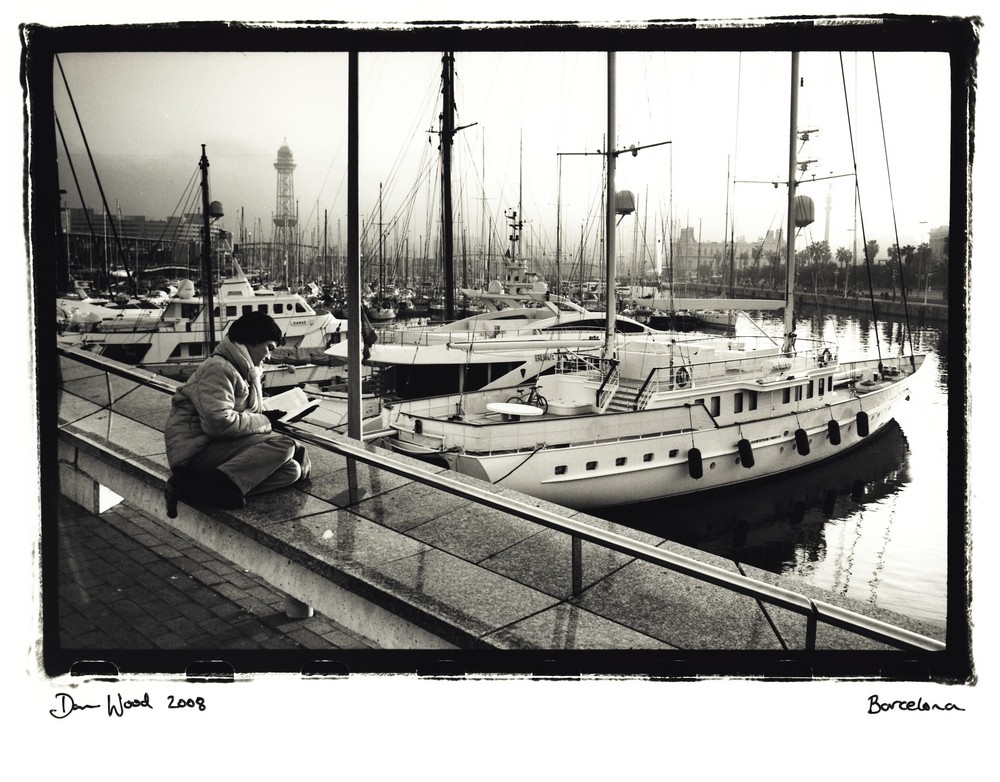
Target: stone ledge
[(375, 599)]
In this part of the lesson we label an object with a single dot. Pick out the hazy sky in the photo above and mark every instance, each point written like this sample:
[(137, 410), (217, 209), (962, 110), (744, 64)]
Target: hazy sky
[(725, 115)]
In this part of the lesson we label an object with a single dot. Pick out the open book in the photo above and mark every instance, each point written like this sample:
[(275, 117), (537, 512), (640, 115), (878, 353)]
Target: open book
[(294, 402)]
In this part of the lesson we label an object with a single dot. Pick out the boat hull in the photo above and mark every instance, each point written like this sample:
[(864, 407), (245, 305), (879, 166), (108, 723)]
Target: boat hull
[(628, 458)]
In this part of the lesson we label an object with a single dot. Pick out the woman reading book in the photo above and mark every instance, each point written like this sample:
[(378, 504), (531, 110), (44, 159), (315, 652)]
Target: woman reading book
[(220, 443)]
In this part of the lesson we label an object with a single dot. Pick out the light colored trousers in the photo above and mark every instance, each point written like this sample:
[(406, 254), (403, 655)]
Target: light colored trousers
[(256, 463)]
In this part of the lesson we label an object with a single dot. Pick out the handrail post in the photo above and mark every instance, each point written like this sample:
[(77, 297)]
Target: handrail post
[(812, 620), (576, 544), (354, 328)]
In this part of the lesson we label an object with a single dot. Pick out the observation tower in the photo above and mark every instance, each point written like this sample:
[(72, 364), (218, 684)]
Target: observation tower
[(285, 218)]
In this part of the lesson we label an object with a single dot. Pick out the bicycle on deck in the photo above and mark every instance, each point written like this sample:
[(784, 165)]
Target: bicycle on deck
[(531, 397)]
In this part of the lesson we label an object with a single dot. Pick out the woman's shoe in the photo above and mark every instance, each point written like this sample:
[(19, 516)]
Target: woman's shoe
[(301, 455)]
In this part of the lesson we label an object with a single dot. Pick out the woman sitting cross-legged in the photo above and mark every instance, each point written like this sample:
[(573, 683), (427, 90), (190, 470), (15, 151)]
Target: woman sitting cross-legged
[(220, 444)]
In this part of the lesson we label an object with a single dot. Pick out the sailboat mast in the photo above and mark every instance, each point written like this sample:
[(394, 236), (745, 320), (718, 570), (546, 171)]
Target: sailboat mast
[(609, 216), (447, 131), (790, 238), (206, 252), (381, 259), (558, 223)]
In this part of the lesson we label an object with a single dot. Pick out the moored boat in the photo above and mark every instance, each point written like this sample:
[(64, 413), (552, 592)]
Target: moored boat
[(180, 332), (649, 419)]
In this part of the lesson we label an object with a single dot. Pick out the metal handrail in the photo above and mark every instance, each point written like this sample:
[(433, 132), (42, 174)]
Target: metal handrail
[(813, 610), (608, 387)]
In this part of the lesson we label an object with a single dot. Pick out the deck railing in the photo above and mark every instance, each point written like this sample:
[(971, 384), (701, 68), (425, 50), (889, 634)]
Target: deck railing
[(814, 611)]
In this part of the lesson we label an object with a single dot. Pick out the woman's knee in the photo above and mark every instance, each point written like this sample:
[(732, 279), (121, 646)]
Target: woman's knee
[(283, 443)]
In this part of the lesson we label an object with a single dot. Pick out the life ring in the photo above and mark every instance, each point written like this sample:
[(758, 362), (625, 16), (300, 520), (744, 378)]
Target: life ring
[(825, 357), (683, 378)]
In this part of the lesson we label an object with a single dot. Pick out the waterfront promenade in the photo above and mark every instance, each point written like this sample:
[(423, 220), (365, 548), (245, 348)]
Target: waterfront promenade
[(403, 564), (130, 581), (918, 305)]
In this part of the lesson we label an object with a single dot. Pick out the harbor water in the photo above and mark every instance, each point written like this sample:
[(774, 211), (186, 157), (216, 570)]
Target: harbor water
[(871, 525)]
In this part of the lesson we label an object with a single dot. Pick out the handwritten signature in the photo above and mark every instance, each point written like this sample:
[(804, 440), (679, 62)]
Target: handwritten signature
[(875, 706), (117, 705)]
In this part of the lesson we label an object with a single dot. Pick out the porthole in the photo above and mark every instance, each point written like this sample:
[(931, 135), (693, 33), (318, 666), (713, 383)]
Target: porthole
[(673, 453), (560, 469), (620, 461), (647, 457), (591, 465)]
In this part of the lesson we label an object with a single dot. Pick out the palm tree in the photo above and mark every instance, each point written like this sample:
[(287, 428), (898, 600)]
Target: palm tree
[(844, 256)]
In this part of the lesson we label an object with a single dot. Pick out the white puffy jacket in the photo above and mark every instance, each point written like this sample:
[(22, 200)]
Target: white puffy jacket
[(221, 400)]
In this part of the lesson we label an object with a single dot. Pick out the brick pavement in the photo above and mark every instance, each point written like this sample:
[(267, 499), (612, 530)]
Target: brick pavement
[(128, 581)]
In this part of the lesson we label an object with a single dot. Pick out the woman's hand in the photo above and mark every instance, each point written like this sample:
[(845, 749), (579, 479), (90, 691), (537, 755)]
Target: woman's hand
[(274, 415)]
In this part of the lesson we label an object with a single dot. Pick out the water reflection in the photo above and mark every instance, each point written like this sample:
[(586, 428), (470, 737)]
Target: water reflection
[(872, 524), (782, 527)]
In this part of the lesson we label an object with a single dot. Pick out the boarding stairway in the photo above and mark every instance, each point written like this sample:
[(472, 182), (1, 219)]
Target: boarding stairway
[(625, 395)]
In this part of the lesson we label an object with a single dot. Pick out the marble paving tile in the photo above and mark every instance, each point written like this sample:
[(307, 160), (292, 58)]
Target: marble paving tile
[(409, 506), (463, 593), (148, 405), (569, 627), (73, 408), (134, 436), (69, 369), (125, 433), (545, 562), (475, 533), (680, 610), (333, 487), (344, 538), (263, 510), (94, 388)]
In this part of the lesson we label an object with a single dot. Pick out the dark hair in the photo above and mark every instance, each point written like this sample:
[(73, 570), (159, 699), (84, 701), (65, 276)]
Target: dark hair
[(255, 328)]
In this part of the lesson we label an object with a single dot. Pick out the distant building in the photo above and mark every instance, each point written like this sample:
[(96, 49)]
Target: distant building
[(147, 246), (938, 242), (695, 260)]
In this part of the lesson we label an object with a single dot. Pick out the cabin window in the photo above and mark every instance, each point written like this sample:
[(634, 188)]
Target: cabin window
[(262, 308), (195, 348), (591, 465), (299, 307), (230, 311), (647, 457), (560, 469), (278, 308), (786, 395), (738, 402), (247, 309), (620, 461), (798, 393), (673, 453), (809, 389), (716, 405), (822, 384), (752, 400), (699, 401), (215, 312)]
